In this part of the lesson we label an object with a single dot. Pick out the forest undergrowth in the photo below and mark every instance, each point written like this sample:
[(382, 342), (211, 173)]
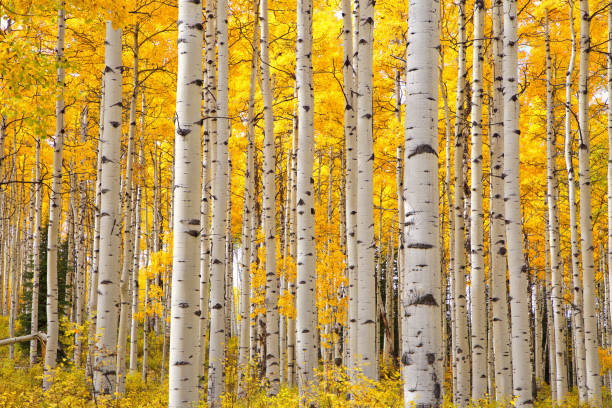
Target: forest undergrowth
[(19, 386)]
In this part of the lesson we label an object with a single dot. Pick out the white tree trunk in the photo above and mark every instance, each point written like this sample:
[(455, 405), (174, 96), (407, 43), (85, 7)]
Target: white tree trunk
[(477, 279), (184, 322), (498, 288), (366, 281), (461, 365), (519, 304), (306, 345), (55, 210), (219, 214), (269, 210), (36, 254), (553, 224), (135, 283), (421, 293), (593, 380), (110, 231), (245, 258), (350, 142)]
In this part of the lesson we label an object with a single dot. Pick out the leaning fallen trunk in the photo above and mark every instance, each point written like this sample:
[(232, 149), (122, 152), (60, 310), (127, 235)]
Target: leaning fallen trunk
[(40, 336)]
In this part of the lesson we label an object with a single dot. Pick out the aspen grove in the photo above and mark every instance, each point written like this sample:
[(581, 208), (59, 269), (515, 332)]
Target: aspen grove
[(306, 203)]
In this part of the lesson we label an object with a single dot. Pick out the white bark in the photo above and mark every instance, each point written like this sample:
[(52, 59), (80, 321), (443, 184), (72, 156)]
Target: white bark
[(55, 210), (421, 358), (477, 279), (184, 327), (498, 288), (219, 214), (36, 254), (135, 284), (245, 258), (593, 380), (306, 345), (461, 350), (350, 125), (556, 270), (269, 210), (366, 280), (110, 231), (519, 304)]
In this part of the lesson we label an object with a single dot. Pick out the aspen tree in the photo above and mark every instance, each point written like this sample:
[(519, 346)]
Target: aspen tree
[(210, 131), (291, 322), (109, 274), (577, 315), (421, 331), (350, 125), (55, 209), (609, 178), (498, 288), (553, 223), (135, 284), (269, 209), (593, 380), (184, 329), (219, 214), (36, 254), (245, 256), (128, 200), (92, 298), (519, 306), (306, 346), (477, 280), (461, 364), (366, 358)]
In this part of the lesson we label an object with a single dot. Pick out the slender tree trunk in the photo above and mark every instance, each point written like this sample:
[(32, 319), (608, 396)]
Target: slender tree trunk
[(135, 284), (184, 329), (110, 231), (92, 300), (128, 221), (477, 279), (306, 345), (421, 293), (461, 364), (519, 306), (366, 281), (593, 380), (269, 210), (498, 288), (350, 142), (55, 210), (36, 255), (219, 214), (553, 222)]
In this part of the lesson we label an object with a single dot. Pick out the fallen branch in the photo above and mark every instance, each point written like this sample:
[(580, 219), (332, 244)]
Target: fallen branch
[(40, 336)]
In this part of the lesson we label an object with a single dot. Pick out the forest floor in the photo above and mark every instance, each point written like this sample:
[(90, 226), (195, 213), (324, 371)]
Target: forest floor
[(21, 386)]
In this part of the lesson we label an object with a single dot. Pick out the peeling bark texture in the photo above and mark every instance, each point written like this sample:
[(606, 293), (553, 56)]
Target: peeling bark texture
[(306, 321), (498, 289), (421, 331), (55, 210), (184, 322), (519, 304), (219, 215), (110, 225), (591, 345), (367, 356)]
